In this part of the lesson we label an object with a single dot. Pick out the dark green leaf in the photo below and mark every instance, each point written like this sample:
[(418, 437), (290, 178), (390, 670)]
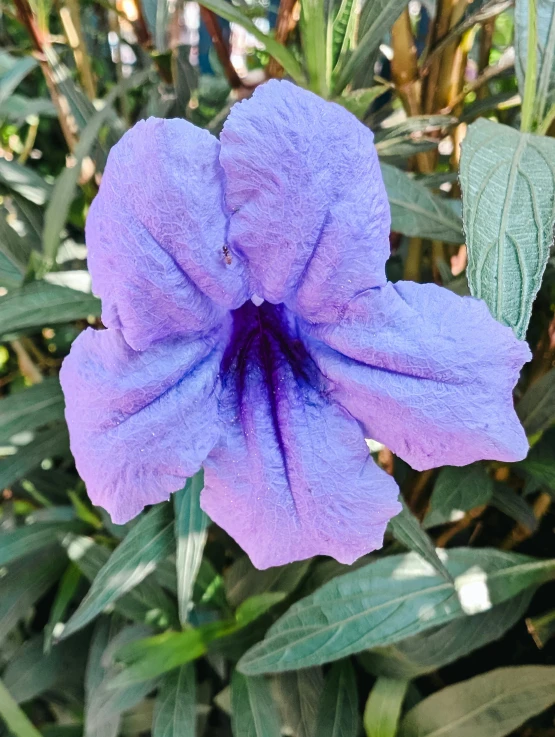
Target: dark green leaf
[(388, 601), (66, 590), (150, 541), (175, 712), (434, 649), (536, 409), (253, 712), (16, 72), (24, 583), (338, 712), (415, 211), (298, 696), (490, 705), (456, 491), (508, 184), (27, 410), (244, 580), (50, 443), (41, 303), (29, 539), (506, 500)]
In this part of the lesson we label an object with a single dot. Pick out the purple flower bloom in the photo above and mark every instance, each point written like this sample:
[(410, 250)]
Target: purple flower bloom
[(251, 330)]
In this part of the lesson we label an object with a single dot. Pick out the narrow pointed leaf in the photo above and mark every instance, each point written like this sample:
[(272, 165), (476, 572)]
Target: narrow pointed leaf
[(174, 713), (388, 601), (150, 541), (190, 534), (338, 712), (536, 409), (30, 409)]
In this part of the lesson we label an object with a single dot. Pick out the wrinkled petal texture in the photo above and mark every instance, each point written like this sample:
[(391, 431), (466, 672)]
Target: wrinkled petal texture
[(291, 476), (140, 423), (156, 235), (309, 212), (428, 373)]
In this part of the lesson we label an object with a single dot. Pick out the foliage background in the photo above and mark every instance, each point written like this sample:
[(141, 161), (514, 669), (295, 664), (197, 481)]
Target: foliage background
[(139, 629)]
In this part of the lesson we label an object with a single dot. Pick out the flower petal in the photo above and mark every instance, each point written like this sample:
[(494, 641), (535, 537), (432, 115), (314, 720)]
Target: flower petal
[(156, 235), (140, 422), (428, 373), (309, 208), (291, 476)]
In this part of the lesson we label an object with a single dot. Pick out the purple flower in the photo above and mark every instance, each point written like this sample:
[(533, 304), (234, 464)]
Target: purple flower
[(251, 331)]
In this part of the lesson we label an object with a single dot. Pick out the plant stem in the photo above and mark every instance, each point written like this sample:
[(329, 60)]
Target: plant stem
[(221, 46), (527, 116), (285, 23), (17, 721)]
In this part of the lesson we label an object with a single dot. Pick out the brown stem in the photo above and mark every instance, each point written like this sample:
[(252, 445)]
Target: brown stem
[(520, 532), (285, 23), (71, 21), (26, 18), (482, 79), (213, 27)]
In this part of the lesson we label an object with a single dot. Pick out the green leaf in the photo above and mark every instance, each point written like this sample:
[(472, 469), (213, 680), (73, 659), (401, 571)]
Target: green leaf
[(508, 184), (359, 101), (154, 656), (190, 534), (415, 211), (150, 541), (338, 712), (27, 410), (539, 465), (16, 73), (174, 713), (407, 530), (17, 721), (243, 580), (103, 705), (313, 37), (66, 590), (17, 108), (383, 708), (388, 601), (506, 500), (456, 491), (341, 34), (405, 138), (298, 696), (545, 74), (253, 712), (536, 409), (29, 539), (375, 20), (146, 601), (30, 672), (25, 582), (257, 605), (282, 55), (433, 649), (64, 188), (157, 16), (51, 443), (41, 303), (24, 180), (490, 705)]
